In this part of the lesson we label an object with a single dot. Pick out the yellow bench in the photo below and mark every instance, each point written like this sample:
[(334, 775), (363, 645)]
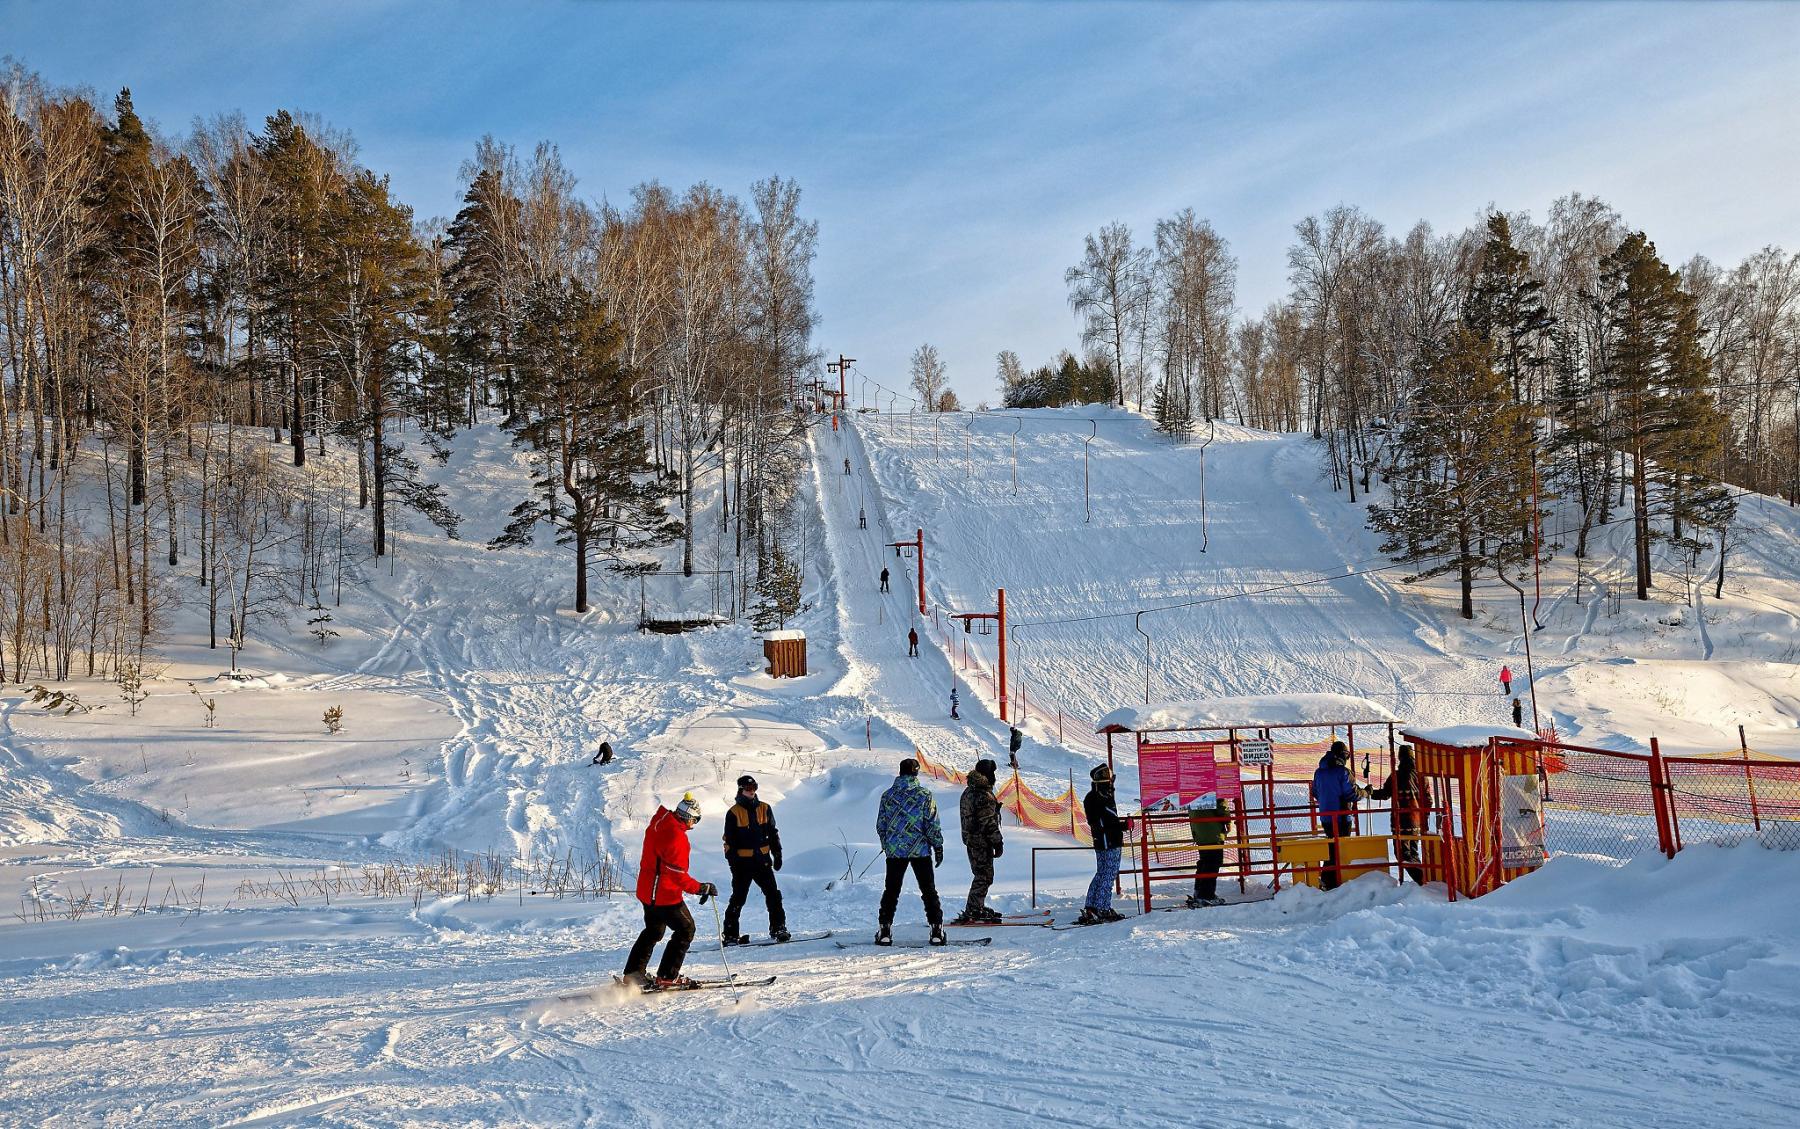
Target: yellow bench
[(1308, 855)]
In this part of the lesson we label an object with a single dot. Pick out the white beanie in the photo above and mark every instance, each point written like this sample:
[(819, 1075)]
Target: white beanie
[(689, 808)]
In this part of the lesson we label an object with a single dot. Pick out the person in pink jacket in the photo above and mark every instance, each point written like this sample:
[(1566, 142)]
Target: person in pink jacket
[(1506, 680)]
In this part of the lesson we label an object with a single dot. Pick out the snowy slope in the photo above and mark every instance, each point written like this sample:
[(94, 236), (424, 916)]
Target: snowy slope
[(1656, 994), (1261, 619)]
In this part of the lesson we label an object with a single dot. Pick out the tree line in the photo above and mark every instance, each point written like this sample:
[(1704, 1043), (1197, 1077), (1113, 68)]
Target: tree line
[(1477, 376), (188, 323)]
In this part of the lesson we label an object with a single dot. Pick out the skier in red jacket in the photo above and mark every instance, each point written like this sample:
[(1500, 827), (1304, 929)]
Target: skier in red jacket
[(663, 880)]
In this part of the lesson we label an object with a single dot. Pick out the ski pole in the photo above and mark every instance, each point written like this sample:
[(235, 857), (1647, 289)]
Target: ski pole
[(720, 929)]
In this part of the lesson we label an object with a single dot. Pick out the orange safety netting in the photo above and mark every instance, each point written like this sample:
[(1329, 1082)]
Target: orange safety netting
[(1032, 809)]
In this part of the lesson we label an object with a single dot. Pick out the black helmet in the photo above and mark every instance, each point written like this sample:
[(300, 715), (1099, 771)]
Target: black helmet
[(747, 783)]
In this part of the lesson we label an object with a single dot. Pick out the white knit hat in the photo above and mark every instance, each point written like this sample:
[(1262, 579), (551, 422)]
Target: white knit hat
[(688, 809)]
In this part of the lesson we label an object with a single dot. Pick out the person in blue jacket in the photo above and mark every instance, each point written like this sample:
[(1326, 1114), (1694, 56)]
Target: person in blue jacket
[(912, 839), (1335, 792)]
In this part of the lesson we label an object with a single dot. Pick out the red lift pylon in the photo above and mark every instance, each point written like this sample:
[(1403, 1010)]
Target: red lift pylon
[(917, 545), (998, 615)]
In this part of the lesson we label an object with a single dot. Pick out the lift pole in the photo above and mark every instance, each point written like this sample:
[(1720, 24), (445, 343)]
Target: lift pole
[(998, 615), (917, 544)]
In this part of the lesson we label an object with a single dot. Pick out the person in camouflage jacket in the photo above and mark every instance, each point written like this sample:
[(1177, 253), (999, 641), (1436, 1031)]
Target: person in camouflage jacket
[(912, 839), (981, 835)]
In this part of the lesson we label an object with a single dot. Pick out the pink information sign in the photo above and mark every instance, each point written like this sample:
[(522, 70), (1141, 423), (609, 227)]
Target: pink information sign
[(1176, 773)]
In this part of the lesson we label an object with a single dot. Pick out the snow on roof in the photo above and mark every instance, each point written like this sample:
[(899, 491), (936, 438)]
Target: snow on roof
[(1467, 736), (1244, 712), (790, 633)]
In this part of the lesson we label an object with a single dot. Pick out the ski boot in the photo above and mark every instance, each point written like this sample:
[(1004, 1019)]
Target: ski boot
[(938, 936), (1089, 916), (1111, 914), (779, 936), (990, 916), (640, 980), (967, 917), (664, 983), (1195, 901), (884, 936), (735, 939)]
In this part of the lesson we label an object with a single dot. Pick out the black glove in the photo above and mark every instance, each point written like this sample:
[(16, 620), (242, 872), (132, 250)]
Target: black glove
[(707, 890), (938, 853), (775, 858), (999, 849)]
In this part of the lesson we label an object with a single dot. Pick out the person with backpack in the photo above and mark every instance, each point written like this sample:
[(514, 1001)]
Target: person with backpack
[(1208, 816), (753, 852), (981, 835), (1101, 807), (1413, 802), (1334, 791), (912, 839), (662, 883)]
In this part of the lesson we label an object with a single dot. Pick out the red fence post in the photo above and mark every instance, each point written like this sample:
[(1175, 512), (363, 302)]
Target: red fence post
[(1663, 801), (1749, 778), (1144, 856)]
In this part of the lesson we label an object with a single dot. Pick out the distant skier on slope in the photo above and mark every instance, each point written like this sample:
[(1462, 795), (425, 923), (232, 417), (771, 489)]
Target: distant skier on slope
[(862, 519), (912, 643), (884, 580), (980, 813), (1335, 792), (846, 467), (1101, 807), (662, 881), (753, 851), (1413, 802), (912, 838), (953, 714), (1506, 680), (1518, 714), (604, 755)]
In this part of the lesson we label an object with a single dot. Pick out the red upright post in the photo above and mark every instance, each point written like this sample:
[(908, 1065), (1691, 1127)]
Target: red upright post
[(1749, 778), (1666, 830), (1003, 684), (921, 541)]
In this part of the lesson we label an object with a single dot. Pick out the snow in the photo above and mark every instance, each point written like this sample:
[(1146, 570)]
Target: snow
[(1245, 711), (789, 634), (1467, 736), (1657, 993)]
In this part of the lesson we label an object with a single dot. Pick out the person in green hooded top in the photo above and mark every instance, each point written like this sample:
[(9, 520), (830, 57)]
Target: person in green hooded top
[(1208, 817)]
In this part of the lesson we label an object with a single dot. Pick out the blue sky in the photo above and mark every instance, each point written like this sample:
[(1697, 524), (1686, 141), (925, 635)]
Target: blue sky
[(956, 154)]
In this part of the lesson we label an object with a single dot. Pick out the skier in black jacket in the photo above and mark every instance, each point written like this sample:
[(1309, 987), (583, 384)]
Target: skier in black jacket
[(753, 851), (1101, 807)]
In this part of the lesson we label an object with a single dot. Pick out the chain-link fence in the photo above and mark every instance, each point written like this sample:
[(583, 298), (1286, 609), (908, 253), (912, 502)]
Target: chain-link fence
[(1724, 802)]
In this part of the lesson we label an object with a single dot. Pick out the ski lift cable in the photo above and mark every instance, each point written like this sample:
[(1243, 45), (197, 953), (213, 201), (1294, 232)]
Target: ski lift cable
[(1355, 569)]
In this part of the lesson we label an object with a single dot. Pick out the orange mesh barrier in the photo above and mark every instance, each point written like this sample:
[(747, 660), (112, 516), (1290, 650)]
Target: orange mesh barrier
[(1061, 814)]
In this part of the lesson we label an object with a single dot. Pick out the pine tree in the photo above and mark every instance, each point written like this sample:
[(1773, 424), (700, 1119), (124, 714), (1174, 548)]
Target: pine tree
[(577, 406), (1656, 375), (1462, 471), (1173, 414), (777, 590)]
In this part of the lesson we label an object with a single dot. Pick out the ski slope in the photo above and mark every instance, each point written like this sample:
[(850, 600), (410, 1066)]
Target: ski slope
[(1660, 993), (1288, 592)]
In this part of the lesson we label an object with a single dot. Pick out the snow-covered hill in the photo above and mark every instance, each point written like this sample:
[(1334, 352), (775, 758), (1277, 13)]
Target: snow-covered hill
[(253, 985)]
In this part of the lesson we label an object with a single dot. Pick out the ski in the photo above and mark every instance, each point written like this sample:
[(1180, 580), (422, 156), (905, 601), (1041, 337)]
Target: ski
[(794, 940), (1089, 924), (1045, 923), (699, 985), (912, 944)]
